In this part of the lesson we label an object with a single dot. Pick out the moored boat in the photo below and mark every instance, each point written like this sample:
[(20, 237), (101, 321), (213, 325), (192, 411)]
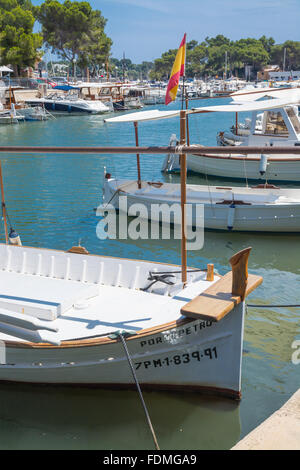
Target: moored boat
[(69, 104), (264, 208), (179, 338), (64, 317)]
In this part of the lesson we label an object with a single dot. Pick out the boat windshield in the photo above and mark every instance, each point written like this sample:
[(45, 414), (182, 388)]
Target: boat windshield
[(274, 124)]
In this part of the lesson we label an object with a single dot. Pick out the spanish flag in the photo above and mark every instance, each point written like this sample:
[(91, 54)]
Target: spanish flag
[(177, 72)]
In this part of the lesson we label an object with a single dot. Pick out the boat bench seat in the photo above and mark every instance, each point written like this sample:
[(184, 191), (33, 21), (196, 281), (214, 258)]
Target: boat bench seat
[(217, 301), (45, 298)]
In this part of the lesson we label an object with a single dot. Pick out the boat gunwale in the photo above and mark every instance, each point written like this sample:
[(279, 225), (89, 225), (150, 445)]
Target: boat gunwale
[(246, 157), (100, 340)]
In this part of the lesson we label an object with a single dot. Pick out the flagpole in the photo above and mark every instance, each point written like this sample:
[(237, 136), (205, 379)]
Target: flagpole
[(186, 101), (183, 91), (183, 198), (183, 77)]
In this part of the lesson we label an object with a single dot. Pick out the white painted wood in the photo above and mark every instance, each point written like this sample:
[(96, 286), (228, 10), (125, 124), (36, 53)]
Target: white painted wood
[(197, 353)]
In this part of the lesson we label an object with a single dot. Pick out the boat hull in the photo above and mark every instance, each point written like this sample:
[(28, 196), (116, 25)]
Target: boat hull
[(69, 107), (278, 169), (188, 355), (254, 217)]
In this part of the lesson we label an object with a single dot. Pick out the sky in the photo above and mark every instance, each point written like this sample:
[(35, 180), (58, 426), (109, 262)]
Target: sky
[(144, 29)]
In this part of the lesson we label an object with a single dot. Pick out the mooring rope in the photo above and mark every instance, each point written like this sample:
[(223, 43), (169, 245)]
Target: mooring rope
[(273, 305), (139, 390), (118, 190)]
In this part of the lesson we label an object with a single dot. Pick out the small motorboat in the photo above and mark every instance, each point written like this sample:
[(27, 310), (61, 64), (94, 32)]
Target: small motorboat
[(69, 104)]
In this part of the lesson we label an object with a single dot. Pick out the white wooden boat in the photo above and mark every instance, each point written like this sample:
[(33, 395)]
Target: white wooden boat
[(60, 313), (258, 209)]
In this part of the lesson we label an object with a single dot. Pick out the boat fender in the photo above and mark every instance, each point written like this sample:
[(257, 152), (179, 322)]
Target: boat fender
[(14, 238), (230, 217), (263, 164)]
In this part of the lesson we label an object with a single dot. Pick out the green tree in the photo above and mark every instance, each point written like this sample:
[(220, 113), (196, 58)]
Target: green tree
[(144, 68), (292, 55), (74, 31), (19, 46), (218, 41), (196, 59), (268, 43), (251, 52)]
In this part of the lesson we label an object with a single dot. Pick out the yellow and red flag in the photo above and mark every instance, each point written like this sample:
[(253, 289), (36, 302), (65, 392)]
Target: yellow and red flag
[(177, 72)]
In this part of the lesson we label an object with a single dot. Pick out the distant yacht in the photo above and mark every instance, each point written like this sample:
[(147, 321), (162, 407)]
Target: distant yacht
[(69, 104)]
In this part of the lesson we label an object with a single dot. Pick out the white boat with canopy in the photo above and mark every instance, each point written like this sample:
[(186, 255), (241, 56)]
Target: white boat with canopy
[(237, 133), (280, 127)]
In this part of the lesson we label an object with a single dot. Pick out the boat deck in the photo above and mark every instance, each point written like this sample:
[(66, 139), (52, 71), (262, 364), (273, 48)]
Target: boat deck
[(105, 313), (206, 194), (82, 303)]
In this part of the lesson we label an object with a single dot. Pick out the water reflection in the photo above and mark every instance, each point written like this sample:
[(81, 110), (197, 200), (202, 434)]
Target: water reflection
[(64, 418), (50, 201)]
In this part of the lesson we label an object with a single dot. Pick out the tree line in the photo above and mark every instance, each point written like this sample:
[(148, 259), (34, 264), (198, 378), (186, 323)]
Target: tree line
[(75, 33), (216, 55)]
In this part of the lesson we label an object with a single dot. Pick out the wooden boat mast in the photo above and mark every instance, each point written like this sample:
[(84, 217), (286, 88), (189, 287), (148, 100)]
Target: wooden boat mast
[(183, 197), (183, 169)]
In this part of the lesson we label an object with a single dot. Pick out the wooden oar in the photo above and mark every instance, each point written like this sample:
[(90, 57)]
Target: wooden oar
[(24, 321)]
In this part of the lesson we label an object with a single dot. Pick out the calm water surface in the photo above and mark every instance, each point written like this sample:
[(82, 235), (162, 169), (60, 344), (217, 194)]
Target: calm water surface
[(51, 201)]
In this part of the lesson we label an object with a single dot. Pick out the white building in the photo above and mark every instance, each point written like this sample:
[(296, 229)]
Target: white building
[(289, 75)]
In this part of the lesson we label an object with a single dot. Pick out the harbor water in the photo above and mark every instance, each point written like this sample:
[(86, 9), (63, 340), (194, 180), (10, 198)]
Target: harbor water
[(51, 201)]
